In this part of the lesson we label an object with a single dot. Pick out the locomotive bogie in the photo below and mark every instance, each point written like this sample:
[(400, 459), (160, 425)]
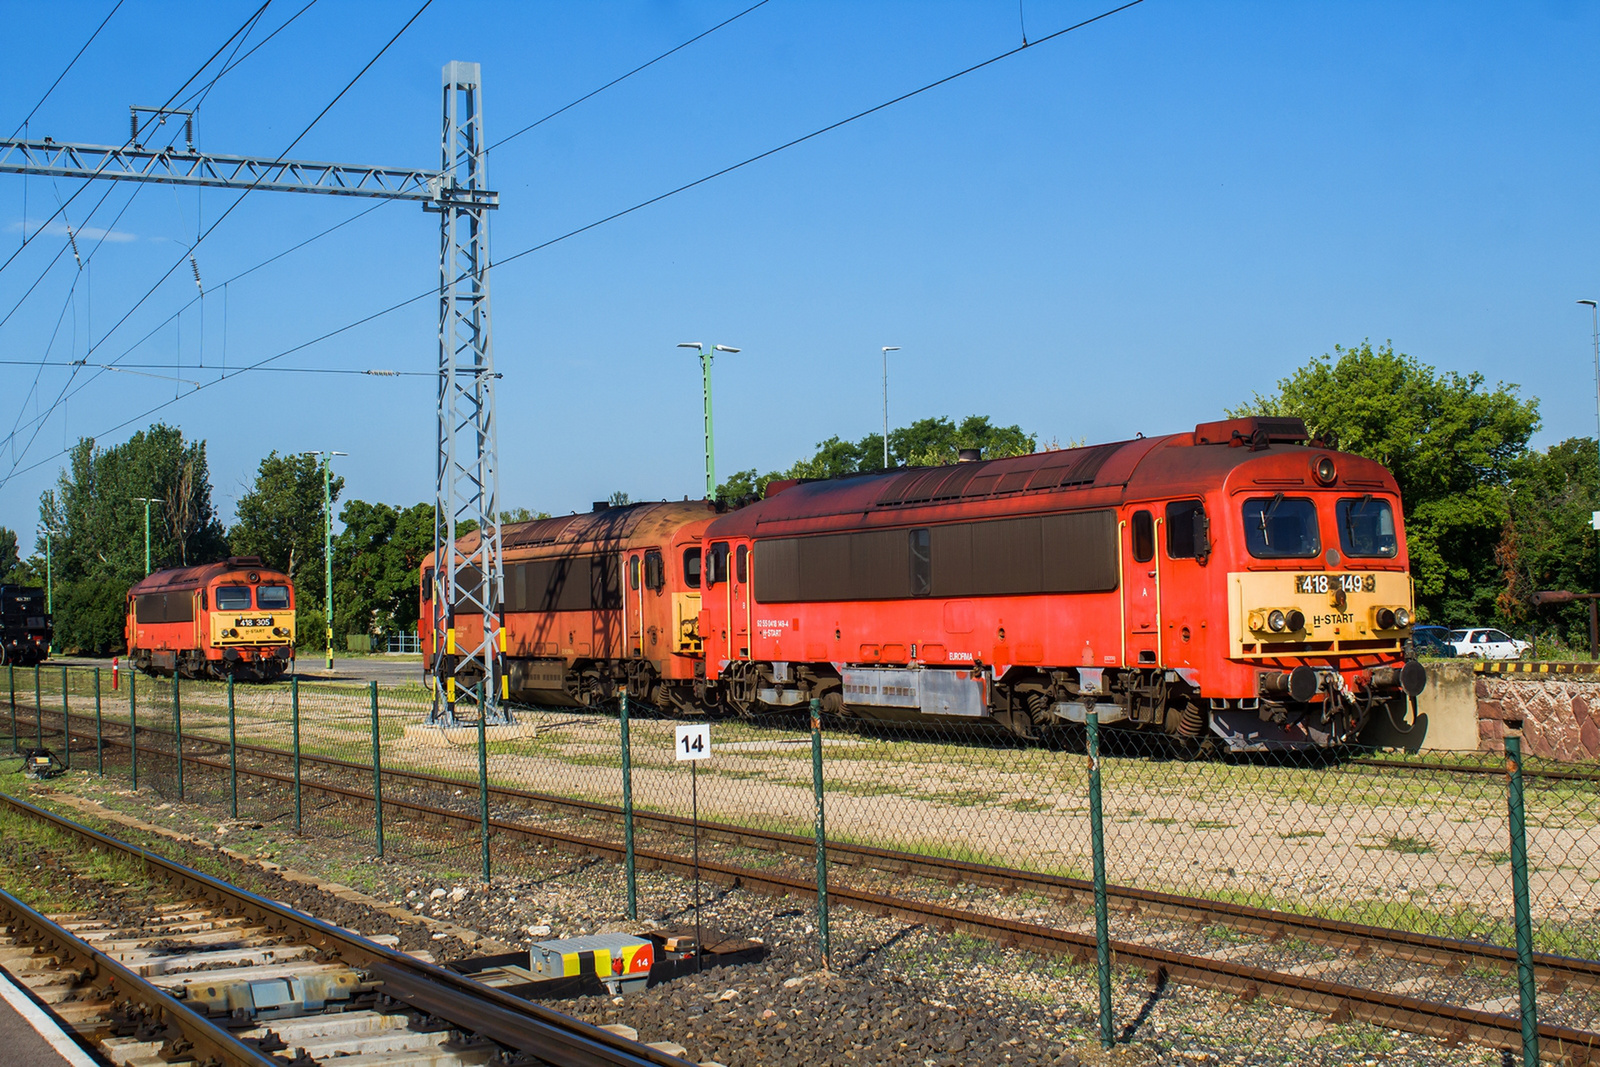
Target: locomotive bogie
[(233, 619)]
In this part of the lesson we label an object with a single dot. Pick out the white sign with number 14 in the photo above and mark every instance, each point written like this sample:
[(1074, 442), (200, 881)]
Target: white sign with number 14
[(694, 741)]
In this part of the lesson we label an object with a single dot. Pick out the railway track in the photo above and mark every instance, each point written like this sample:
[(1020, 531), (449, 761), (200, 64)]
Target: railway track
[(1221, 972), (1447, 953), (217, 974)]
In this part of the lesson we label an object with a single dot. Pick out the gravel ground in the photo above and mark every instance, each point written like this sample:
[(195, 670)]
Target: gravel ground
[(896, 994)]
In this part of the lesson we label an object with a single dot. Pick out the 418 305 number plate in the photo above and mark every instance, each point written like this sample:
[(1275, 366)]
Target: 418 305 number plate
[(1326, 583), (265, 620)]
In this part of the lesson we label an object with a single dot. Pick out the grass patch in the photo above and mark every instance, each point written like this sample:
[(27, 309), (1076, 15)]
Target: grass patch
[(1303, 833)]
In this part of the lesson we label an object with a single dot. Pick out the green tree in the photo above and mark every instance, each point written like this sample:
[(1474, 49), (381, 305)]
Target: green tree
[(925, 443), (280, 519), (1547, 541), (98, 527), (1450, 443), (377, 562), (9, 561)]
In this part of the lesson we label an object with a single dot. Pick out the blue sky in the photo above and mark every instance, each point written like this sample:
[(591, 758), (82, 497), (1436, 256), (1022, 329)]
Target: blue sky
[(1122, 230)]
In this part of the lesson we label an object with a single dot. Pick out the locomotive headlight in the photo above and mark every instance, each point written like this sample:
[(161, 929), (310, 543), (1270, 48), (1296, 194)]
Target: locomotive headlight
[(1258, 621), (1402, 618), (1276, 622), (1324, 470), (1384, 618), (1295, 620)]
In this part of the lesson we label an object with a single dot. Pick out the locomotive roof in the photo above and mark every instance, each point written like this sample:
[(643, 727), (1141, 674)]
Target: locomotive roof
[(181, 578), (1095, 475), (657, 521)]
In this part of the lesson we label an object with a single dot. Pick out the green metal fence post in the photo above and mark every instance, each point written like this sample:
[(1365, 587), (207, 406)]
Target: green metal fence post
[(819, 830), (66, 723), (294, 715), (177, 727), (483, 788), (377, 768), (38, 710), (99, 730), (1519, 902), (11, 676), (233, 756), (133, 728), (627, 815), (1102, 934)]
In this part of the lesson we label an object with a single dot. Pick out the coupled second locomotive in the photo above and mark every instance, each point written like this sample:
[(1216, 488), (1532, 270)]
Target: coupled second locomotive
[(1239, 583)]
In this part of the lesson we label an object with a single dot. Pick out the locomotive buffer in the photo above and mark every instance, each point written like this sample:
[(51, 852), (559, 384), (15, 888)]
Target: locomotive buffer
[(467, 484)]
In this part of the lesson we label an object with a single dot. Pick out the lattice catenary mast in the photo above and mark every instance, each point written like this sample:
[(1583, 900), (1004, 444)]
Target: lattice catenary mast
[(467, 480)]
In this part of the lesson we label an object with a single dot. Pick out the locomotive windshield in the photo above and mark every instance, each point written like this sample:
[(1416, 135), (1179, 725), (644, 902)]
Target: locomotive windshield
[(272, 597), (1366, 527), (233, 598), (1280, 527)]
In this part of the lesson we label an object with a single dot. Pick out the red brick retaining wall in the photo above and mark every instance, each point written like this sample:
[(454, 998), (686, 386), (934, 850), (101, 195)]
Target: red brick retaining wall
[(1560, 714)]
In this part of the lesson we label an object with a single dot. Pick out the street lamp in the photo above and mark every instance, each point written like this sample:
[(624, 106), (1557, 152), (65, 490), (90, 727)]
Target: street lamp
[(886, 350), (1594, 317), (706, 354), (147, 501), (327, 540)]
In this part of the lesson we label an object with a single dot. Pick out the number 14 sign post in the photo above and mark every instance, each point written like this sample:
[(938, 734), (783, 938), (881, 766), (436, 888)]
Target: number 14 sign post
[(693, 743)]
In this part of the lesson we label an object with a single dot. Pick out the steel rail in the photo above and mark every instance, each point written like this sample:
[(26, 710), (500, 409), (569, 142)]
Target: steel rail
[(1452, 954), (111, 977), (1546, 774), (1339, 1001), (523, 1025)]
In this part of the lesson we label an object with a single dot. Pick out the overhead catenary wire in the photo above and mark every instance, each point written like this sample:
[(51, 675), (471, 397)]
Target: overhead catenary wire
[(29, 238), (432, 292), (246, 192), (66, 70), (385, 203)]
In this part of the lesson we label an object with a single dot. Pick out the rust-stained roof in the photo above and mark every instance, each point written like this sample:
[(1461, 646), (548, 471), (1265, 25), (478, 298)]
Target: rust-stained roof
[(654, 523), (1093, 476), (182, 578)]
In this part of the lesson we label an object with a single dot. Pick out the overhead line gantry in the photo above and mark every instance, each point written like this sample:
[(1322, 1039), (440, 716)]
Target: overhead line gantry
[(467, 471)]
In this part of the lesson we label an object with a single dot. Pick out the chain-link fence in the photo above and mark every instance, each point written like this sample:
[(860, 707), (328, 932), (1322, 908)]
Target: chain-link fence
[(1398, 841)]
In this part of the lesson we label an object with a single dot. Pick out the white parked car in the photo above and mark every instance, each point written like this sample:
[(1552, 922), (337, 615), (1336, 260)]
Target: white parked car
[(1487, 644)]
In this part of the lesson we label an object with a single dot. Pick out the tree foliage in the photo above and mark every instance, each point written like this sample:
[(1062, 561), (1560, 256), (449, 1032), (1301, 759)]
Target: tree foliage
[(281, 520), (98, 527), (1547, 542), (1450, 442), (925, 443), (377, 559), (9, 560)]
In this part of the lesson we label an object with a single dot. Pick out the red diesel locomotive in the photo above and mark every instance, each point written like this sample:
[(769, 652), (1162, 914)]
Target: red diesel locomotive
[(1234, 582), (234, 618)]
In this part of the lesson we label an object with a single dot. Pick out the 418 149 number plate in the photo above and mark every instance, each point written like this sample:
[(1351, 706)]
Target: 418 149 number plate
[(1325, 583)]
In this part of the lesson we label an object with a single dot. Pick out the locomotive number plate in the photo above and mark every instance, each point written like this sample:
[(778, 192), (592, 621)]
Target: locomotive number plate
[(264, 621), (1323, 583)]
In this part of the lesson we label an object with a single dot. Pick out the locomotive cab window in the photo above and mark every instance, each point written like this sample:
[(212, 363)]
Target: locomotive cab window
[(1281, 527), (691, 568), (1366, 527), (427, 584), (272, 597), (1186, 531), (203, 601), (1144, 537), (741, 564), (233, 598), (655, 571), (633, 573), (717, 564)]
